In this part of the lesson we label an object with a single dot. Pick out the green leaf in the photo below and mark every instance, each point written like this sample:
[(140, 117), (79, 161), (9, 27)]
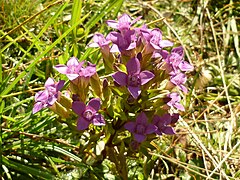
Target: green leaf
[(40, 173)]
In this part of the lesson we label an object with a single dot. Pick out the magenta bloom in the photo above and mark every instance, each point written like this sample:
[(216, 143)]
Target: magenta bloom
[(163, 123), (122, 42), (175, 62), (152, 39), (88, 114), (48, 96), (140, 128), (179, 80), (100, 41), (134, 77), (123, 24), (75, 69), (175, 101)]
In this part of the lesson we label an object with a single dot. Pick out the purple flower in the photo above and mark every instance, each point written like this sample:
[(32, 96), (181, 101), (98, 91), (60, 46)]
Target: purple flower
[(163, 123), (134, 77), (175, 62), (88, 114), (122, 42), (175, 101), (179, 80), (75, 69), (48, 96), (100, 41), (123, 24), (140, 128), (153, 40)]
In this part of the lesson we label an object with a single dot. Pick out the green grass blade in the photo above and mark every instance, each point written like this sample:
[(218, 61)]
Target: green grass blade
[(44, 29), (106, 8), (10, 87), (42, 174), (63, 151)]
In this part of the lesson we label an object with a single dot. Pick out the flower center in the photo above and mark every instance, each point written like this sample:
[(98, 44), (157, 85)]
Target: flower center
[(140, 129), (88, 114), (134, 80)]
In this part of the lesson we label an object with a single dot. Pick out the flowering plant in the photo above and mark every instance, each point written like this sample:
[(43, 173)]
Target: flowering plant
[(135, 100)]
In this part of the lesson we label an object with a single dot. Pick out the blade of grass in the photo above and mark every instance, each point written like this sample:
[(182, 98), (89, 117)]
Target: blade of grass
[(76, 15), (42, 174), (106, 8), (63, 151), (44, 29), (15, 81), (30, 18)]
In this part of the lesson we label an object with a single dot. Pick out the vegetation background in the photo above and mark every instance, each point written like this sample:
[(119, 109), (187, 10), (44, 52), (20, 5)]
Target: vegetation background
[(35, 35)]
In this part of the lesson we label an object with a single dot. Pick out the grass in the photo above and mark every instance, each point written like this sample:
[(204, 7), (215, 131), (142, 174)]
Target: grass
[(43, 146)]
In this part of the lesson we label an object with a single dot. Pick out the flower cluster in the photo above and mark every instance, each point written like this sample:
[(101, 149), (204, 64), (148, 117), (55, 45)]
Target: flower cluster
[(141, 78)]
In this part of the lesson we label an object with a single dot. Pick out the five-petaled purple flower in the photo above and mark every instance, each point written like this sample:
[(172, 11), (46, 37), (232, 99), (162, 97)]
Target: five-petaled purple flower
[(175, 62), (100, 41), (123, 24), (47, 97), (163, 123), (134, 77), (152, 39), (175, 101), (88, 114), (140, 128), (75, 69)]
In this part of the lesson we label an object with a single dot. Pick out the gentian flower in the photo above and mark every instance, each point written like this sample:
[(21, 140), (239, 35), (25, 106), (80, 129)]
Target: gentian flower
[(75, 69), (100, 41), (122, 42), (123, 24), (134, 77), (163, 123), (47, 97), (88, 114), (72, 68), (152, 39), (175, 62), (179, 80), (175, 101), (140, 128)]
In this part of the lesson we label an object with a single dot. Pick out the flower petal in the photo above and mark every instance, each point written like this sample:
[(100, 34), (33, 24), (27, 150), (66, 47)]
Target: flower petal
[(114, 48), (49, 82), (139, 137), (59, 85), (146, 76), (130, 126), (151, 129), (95, 104), (78, 107), (142, 119), (41, 96), (178, 50), (133, 66), (165, 43), (112, 24), (98, 120), (61, 69), (134, 91), (168, 130), (52, 99), (71, 77), (37, 107), (120, 78), (82, 124), (185, 66), (179, 106), (73, 61)]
